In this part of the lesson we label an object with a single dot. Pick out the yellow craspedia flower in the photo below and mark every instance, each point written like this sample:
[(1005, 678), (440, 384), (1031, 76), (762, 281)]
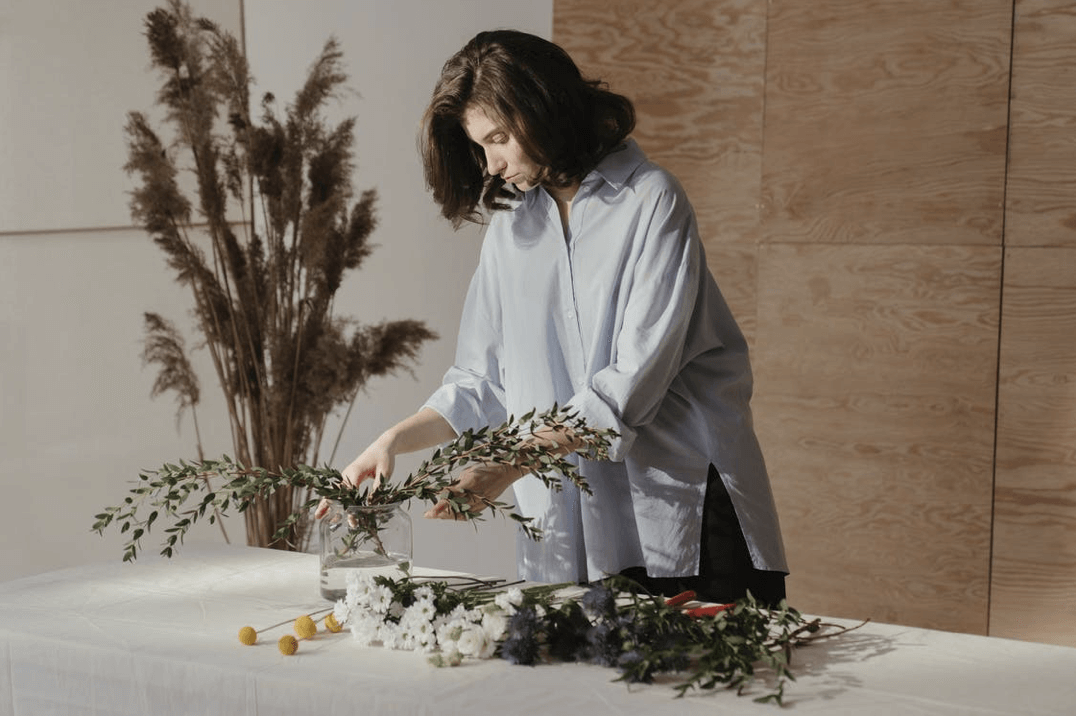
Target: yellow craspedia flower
[(247, 635), (305, 627), (332, 625), (288, 645)]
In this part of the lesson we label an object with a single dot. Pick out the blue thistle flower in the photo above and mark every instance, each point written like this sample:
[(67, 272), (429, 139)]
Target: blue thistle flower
[(600, 600), (520, 646), (606, 643), (523, 622), (631, 663), (521, 649), (566, 630)]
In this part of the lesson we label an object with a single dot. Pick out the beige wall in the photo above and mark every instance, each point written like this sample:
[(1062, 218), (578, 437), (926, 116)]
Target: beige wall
[(909, 294), (76, 420)]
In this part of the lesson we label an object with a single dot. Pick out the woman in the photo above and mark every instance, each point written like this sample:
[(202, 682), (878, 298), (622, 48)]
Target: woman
[(591, 292)]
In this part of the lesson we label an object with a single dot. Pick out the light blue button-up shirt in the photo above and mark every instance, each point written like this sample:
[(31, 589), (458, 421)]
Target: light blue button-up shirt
[(622, 322)]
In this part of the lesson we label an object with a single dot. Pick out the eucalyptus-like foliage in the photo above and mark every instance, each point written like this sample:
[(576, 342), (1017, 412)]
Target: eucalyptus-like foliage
[(183, 494), (510, 445), (263, 244)]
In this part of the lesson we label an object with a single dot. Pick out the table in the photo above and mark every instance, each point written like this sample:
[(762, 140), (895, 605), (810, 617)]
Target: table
[(158, 637)]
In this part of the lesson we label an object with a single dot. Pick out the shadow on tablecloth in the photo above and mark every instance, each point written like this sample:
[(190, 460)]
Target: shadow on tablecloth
[(823, 669)]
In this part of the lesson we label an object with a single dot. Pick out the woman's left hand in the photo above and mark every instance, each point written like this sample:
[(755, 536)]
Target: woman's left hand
[(479, 481)]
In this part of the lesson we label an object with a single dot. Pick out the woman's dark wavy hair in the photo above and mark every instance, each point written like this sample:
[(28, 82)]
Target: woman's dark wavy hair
[(532, 88)]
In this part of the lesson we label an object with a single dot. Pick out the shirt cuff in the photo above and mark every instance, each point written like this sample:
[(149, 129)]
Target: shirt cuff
[(457, 408)]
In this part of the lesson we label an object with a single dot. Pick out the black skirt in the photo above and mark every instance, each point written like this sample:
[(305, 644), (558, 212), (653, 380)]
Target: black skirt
[(725, 569)]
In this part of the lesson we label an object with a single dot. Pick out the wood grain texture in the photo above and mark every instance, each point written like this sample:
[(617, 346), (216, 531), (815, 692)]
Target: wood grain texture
[(875, 373), (1041, 196), (886, 121), (695, 70), (735, 267), (1033, 593)]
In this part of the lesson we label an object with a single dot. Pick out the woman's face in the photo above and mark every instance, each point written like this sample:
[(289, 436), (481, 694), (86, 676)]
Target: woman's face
[(504, 156)]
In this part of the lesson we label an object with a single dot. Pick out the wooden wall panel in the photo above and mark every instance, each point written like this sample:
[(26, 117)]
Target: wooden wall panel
[(695, 70), (886, 121), (1041, 196), (1034, 573), (810, 133), (875, 407)]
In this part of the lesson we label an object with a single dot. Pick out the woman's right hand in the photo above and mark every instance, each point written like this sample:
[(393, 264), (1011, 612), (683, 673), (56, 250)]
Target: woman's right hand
[(375, 463), (422, 430)]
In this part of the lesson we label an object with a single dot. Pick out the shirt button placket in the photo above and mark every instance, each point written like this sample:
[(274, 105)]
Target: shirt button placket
[(577, 362)]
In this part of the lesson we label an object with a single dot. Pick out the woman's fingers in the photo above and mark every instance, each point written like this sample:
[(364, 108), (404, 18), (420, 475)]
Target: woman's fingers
[(349, 480), (480, 484), (354, 479), (438, 511), (443, 511), (446, 510)]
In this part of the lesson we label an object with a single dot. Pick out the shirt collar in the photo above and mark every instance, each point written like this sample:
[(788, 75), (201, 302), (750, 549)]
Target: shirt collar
[(615, 169), (618, 165)]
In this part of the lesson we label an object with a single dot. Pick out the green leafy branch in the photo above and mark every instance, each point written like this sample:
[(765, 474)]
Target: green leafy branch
[(184, 494), (512, 444), (705, 647), (723, 648)]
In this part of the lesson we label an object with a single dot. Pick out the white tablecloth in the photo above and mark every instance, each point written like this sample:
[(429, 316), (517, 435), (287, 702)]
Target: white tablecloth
[(159, 637)]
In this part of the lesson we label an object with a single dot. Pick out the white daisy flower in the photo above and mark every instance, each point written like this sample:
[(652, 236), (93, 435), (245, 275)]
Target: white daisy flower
[(380, 599), (341, 611), (495, 624), (366, 629), (425, 638), (450, 655), (390, 635), (475, 641), (422, 609), (405, 641), (449, 633), (503, 601)]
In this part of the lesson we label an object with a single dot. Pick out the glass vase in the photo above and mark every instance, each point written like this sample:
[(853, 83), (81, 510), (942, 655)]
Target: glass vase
[(367, 539)]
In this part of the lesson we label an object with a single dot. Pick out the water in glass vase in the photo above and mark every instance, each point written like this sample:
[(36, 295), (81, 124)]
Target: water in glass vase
[(372, 539), (335, 570)]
